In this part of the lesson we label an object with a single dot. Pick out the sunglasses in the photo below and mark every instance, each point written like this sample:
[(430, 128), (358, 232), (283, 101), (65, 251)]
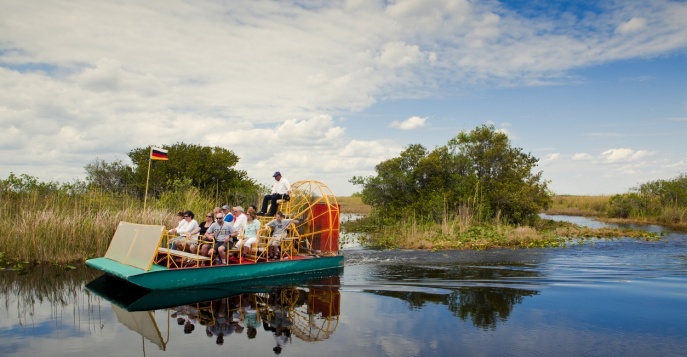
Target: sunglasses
[(186, 216), (219, 217), (208, 216)]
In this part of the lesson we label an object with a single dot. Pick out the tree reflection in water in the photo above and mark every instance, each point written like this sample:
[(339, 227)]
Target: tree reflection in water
[(485, 306)]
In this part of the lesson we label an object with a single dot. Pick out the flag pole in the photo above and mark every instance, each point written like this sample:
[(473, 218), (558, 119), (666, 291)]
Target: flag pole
[(145, 197)]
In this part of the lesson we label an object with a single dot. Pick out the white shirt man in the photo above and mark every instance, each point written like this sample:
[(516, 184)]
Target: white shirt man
[(280, 188), (240, 218)]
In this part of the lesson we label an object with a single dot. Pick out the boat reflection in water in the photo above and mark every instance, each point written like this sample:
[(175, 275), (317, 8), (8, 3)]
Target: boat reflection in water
[(307, 308)]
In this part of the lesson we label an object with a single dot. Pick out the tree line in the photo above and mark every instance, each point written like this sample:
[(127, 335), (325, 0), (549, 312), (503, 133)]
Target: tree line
[(665, 200)]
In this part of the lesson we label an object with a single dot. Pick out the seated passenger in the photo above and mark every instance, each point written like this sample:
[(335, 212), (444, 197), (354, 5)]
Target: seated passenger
[(278, 225), (239, 217), (203, 226), (222, 232), (228, 217), (174, 231), (250, 232), (186, 231), (180, 223), (280, 190), (209, 220)]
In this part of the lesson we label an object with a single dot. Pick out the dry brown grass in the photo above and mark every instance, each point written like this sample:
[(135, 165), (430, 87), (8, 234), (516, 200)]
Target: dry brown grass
[(578, 205), (353, 204)]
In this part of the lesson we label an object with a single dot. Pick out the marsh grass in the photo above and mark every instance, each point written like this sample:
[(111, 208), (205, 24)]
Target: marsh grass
[(455, 234), (463, 231), (56, 227), (353, 204), (579, 205), (671, 215)]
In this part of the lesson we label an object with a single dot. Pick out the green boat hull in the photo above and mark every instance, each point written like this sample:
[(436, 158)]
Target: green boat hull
[(134, 298), (161, 278)]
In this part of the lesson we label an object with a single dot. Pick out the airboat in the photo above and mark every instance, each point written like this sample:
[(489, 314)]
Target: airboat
[(139, 253)]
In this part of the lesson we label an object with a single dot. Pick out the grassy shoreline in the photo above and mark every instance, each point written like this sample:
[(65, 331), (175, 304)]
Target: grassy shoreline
[(598, 206), (459, 233), (58, 228)]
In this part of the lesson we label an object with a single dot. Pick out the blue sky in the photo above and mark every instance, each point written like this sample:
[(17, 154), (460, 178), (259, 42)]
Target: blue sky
[(325, 90)]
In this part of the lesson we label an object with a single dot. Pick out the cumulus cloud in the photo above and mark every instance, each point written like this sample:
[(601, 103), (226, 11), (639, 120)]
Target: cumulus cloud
[(267, 79), (411, 123), (624, 155)]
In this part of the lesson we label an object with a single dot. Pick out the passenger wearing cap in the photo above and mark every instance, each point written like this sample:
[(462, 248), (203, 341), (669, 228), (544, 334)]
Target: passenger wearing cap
[(280, 190), (228, 217)]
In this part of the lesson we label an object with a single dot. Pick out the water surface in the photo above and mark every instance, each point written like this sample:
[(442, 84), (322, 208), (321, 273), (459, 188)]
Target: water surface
[(608, 297)]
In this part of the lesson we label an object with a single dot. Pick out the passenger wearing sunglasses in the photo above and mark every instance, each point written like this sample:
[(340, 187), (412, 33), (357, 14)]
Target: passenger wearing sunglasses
[(203, 226), (222, 232)]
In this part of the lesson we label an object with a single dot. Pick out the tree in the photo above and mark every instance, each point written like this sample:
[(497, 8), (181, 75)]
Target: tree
[(505, 173), (114, 177), (478, 166), (209, 169)]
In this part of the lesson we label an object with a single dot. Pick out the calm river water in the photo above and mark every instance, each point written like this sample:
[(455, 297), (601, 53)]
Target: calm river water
[(606, 298)]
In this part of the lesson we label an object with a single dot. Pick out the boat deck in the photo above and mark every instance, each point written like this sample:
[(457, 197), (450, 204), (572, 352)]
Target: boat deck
[(231, 262)]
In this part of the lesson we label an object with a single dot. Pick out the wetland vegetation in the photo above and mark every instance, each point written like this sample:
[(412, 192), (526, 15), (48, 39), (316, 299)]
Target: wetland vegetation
[(662, 202), (476, 192)]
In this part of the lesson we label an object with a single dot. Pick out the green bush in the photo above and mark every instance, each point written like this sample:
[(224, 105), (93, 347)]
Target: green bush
[(479, 169)]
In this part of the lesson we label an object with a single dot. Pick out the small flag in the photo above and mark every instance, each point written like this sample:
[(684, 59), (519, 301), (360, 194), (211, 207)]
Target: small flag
[(158, 154)]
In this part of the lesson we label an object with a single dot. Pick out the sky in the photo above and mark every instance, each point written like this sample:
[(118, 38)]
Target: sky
[(325, 90)]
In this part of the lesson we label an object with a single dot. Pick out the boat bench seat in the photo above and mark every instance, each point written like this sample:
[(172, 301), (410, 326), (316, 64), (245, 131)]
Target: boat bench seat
[(197, 258)]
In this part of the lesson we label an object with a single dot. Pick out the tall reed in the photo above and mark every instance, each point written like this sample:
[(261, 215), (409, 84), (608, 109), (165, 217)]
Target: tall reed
[(579, 205), (62, 227), (672, 215)]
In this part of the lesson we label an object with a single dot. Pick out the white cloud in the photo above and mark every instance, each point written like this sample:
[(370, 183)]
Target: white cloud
[(267, 79), (678, 164), (624, 155), (411, 123), (633, 25), (358, 148), (106, 76), (399, 54), (582, 156), (550, 158)]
